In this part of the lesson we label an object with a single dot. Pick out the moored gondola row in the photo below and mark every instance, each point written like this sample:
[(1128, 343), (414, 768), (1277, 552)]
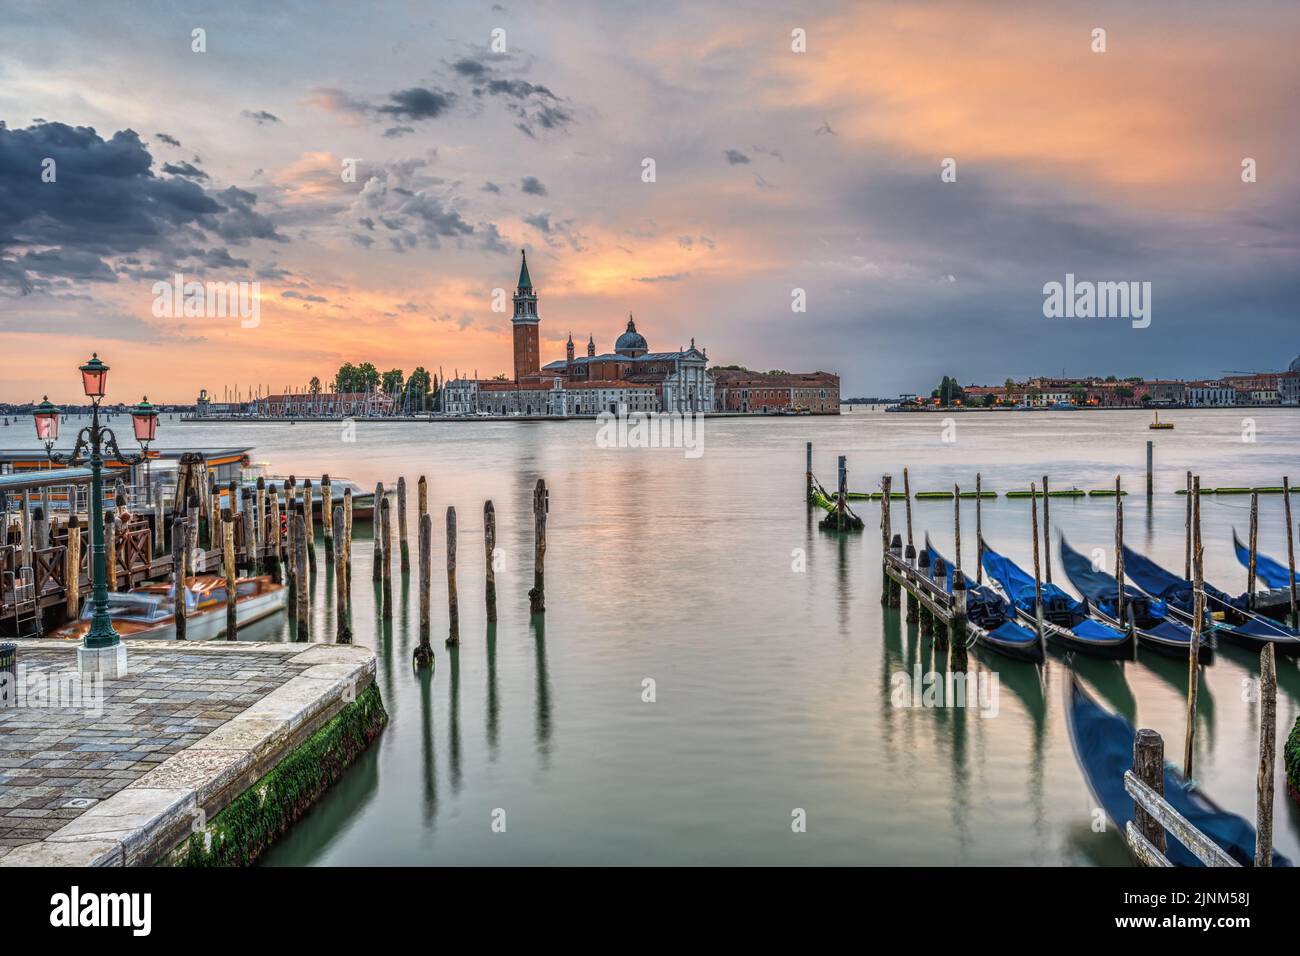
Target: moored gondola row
[(1141, 607)]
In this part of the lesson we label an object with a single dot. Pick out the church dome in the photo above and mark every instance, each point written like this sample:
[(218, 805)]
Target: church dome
[(1295, 365), (631, 340)]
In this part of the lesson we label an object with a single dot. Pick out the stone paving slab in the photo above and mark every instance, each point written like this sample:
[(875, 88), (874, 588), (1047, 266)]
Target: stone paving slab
[(191, 725)]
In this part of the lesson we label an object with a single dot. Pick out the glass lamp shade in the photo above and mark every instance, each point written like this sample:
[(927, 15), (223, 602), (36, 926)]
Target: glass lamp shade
[(47, 421), (94, 377), (145, 419)]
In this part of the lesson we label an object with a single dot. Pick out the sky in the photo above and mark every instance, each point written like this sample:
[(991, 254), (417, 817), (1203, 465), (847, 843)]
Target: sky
[(476, 130)]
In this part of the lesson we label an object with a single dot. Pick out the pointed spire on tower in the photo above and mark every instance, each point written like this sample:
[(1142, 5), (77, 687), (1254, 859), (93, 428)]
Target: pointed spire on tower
[(524, 281), (591, 346)]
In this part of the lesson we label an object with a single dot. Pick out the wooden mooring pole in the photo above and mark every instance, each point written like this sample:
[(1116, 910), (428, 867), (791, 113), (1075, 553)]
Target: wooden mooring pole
[(489, 548), (377, 569), (228, 566), (1149, 767), (401, 527), (957, 623), (1254, 549), (808, 475), (248, 526), (453, 606), (422, 498), (979, 533), (1290, 544), (346, 544), (1187, 531), (274, 537), (327, 522), (72, 563), (423, 656), (1150, 470), (300, 578), (1038, 586), (386, 534), (1047, 534), (925, 619), (956, 526), (885, 584), (180, 549), (342, 608), (1198, 629), (309, 522), (541, 505), (907, 502), (1267, 756), (262, 532), (1119, 554), (909, 556)]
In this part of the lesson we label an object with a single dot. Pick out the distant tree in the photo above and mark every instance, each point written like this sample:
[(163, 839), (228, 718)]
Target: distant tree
[(949, 391), (1111, 378), (500, 378), (314, 385), (418, 387), (1080, 395), (1124, 392), (392, 381), (1146, 397)]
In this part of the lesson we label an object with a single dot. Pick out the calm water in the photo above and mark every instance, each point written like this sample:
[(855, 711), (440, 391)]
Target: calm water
[(772, 685)]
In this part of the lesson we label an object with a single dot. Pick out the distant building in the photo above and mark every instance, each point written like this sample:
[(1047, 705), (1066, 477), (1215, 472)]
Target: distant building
[(1210, 394), (630, 378), (739, 390)]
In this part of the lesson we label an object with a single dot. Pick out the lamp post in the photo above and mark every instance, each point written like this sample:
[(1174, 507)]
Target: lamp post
[(102, 649)]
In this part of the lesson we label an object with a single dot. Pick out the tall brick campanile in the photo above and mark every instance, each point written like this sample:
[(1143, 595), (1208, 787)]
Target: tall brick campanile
[(527, 367)]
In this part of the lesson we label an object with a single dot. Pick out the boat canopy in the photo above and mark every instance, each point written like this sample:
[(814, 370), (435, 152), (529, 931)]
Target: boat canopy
[(1019, 586), (1155, 580), (1099, 587), (1267, 570)]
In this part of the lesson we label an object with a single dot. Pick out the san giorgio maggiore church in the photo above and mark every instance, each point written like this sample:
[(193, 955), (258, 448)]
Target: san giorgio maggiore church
[(629, 379)]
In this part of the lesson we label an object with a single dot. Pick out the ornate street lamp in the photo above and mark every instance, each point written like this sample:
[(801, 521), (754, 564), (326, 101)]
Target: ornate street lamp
[(102, 650), (144, 418)]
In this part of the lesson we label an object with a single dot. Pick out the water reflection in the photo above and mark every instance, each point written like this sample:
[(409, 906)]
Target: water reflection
[(453, 734), (493, 706), (537, 625)]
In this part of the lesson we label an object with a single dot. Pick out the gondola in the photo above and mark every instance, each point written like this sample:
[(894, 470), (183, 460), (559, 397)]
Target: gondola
[(1268, 570), (989, 618), (1237, 624), (1103, 746), (1067, 623), (1150, 619)]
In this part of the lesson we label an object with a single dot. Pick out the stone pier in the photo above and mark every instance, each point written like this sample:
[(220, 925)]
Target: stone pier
[(155, 770)]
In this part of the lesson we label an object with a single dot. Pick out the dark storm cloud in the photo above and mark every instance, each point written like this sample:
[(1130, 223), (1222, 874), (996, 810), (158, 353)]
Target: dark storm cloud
[(105, 200), (105, 203), (184, 169), (417, 103), (260, 117), (734, 157), (169, 140), (394, 132), (541, 222), (469, 67), (241, 222), (532, 185)]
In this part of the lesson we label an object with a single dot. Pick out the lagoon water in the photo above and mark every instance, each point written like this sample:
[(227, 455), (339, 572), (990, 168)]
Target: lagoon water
[(772, 684)]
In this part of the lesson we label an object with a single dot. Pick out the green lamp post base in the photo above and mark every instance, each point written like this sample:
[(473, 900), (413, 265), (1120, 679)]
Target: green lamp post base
[(109, 661)]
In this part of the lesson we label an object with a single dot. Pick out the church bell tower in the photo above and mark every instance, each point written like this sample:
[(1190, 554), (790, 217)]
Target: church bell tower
[(527, 362)]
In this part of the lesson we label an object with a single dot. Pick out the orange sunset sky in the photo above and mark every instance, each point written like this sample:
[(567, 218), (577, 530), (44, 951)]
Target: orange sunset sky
[(775, 170)]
